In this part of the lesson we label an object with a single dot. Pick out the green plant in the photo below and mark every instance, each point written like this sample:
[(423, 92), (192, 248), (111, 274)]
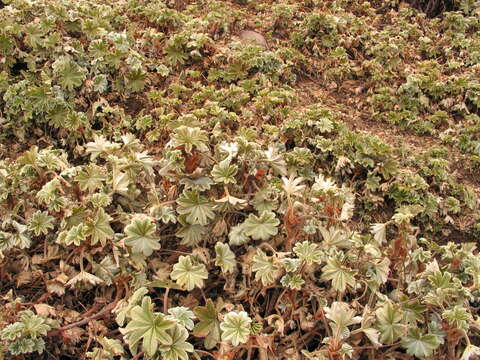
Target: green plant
[(310, 200)]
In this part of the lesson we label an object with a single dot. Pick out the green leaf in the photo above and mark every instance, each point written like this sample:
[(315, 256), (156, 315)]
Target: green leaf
[(25, 335), (34, 325), (40, 223), (190, 234), (69, 74), (236, 327), (149, 326), (379, 232), (177, 348), (420, 345), (261, 227), (264, 267), (20, 237), (340, 275), (188, 275), (91, 178), (276, 161), (458, 317), (237, 235), (189, 137), (294, 282), (164, 214), (100, 83), (182, 315), (141, 235), (135, 79), (225, 257), (100, 146), (106, 270), (470, 350), (120, 182), (292, 186), (224, 173), (208, 317), (29, 157), (229, 203), (341, 316), (389, 323), (124, 309), (201, 183), (110, 348), (197, 209), (308, 252), (76, 235), (99, 228)]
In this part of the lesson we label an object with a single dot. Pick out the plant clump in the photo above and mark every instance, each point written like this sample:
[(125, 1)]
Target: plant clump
[(169, 191)]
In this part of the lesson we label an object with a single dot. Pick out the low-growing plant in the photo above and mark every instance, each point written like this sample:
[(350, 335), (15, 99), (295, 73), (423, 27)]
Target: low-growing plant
[(170, 193)]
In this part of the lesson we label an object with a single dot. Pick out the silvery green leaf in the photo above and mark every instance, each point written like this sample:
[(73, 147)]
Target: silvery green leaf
[(230, 148), (163, 213), (99, 228), (236, 327), (187, 274), (470, 350), (90, 178), (382, 269), (276, 161), (237, 235), (120, 182), (100, 83), (264, 268), (189, 137), (100, 146), (389, 323), (40, 223), (201, 183), (294, 282), (229, 203), (339, 274), (308, 252), (261, 227), (458, 317), (75, 235), (341, 316), (106, 270), (148, 327), (224, 172), (182, 315), (379, 232), (334, 237), (291, 265), (196, 207), (348, 207), (178, 348), (420, 345), (69, 74), (124, 308), (225, 258), (292, 186), (373, 336), (208, 326), (265, 200), (324, 185), (140, 235), (190, 234)]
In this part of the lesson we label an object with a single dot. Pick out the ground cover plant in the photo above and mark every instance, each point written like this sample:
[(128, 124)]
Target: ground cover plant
[(171, 190)]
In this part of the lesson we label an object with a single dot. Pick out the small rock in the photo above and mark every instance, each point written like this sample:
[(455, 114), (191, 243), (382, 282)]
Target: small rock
[(252, 37)]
